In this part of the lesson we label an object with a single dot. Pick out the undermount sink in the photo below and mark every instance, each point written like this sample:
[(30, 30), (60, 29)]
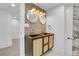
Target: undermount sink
[(34, 35), (45, 33)]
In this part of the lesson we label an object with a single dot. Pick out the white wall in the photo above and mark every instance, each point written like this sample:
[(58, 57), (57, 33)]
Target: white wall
[(9, 29), (15, 28), (5, 29), (55, 18)]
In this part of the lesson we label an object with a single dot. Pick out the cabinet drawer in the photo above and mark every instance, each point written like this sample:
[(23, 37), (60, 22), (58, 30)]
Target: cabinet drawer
[(45, 40), (45, 48)]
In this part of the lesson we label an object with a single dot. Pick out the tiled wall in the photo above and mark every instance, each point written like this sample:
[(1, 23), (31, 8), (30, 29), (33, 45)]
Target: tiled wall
[(37, 26), (75, 47)]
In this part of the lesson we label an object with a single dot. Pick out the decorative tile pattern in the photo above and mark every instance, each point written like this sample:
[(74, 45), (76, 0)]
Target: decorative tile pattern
[(75, 47)]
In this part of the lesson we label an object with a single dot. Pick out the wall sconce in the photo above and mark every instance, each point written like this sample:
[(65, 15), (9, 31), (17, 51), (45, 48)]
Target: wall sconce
[(35, 9)]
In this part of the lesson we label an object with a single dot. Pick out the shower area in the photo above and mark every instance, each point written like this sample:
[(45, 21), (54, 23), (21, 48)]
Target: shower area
[(75, 41)]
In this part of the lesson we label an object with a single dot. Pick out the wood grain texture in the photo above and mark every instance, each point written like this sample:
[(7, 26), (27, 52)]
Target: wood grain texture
[(51, 42), (45, 40), (37, 47)]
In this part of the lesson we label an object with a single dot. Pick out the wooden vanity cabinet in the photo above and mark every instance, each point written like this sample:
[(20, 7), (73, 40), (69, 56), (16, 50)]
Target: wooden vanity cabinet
[(39, 45), (48, 43)]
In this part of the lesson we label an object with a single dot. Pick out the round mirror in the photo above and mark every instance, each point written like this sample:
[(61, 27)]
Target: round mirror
[(42, 19), (31, 17)]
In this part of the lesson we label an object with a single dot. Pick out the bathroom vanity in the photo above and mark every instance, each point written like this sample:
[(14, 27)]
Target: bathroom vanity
[(38, 44)]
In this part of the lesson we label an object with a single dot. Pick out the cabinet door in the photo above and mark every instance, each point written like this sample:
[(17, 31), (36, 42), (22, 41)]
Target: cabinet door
[(37, 47), (45, 40), (51, 41), (45, 48)]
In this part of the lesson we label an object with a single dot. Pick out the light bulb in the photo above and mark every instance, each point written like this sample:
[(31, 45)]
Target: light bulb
[(33, 9), (40, 13), (37, 11), (43, 14)]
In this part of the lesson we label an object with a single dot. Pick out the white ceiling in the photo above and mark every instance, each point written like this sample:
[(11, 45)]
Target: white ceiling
[(15, 10), (47, 6)]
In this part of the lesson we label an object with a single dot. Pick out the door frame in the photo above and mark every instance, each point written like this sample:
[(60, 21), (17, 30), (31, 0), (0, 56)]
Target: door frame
[(22, 32), (68, 29)]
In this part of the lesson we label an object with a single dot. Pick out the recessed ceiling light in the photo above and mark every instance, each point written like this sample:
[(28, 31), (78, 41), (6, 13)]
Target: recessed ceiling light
[(13, 5)]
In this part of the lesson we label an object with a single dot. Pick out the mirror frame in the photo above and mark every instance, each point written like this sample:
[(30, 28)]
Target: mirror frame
[(40, 18), (28, 16)]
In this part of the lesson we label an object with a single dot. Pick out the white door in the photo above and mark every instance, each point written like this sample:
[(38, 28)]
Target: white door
[(68, 29)]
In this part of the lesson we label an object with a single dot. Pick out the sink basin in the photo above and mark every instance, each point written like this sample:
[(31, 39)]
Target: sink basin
[(34, 35), (45, 33)]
